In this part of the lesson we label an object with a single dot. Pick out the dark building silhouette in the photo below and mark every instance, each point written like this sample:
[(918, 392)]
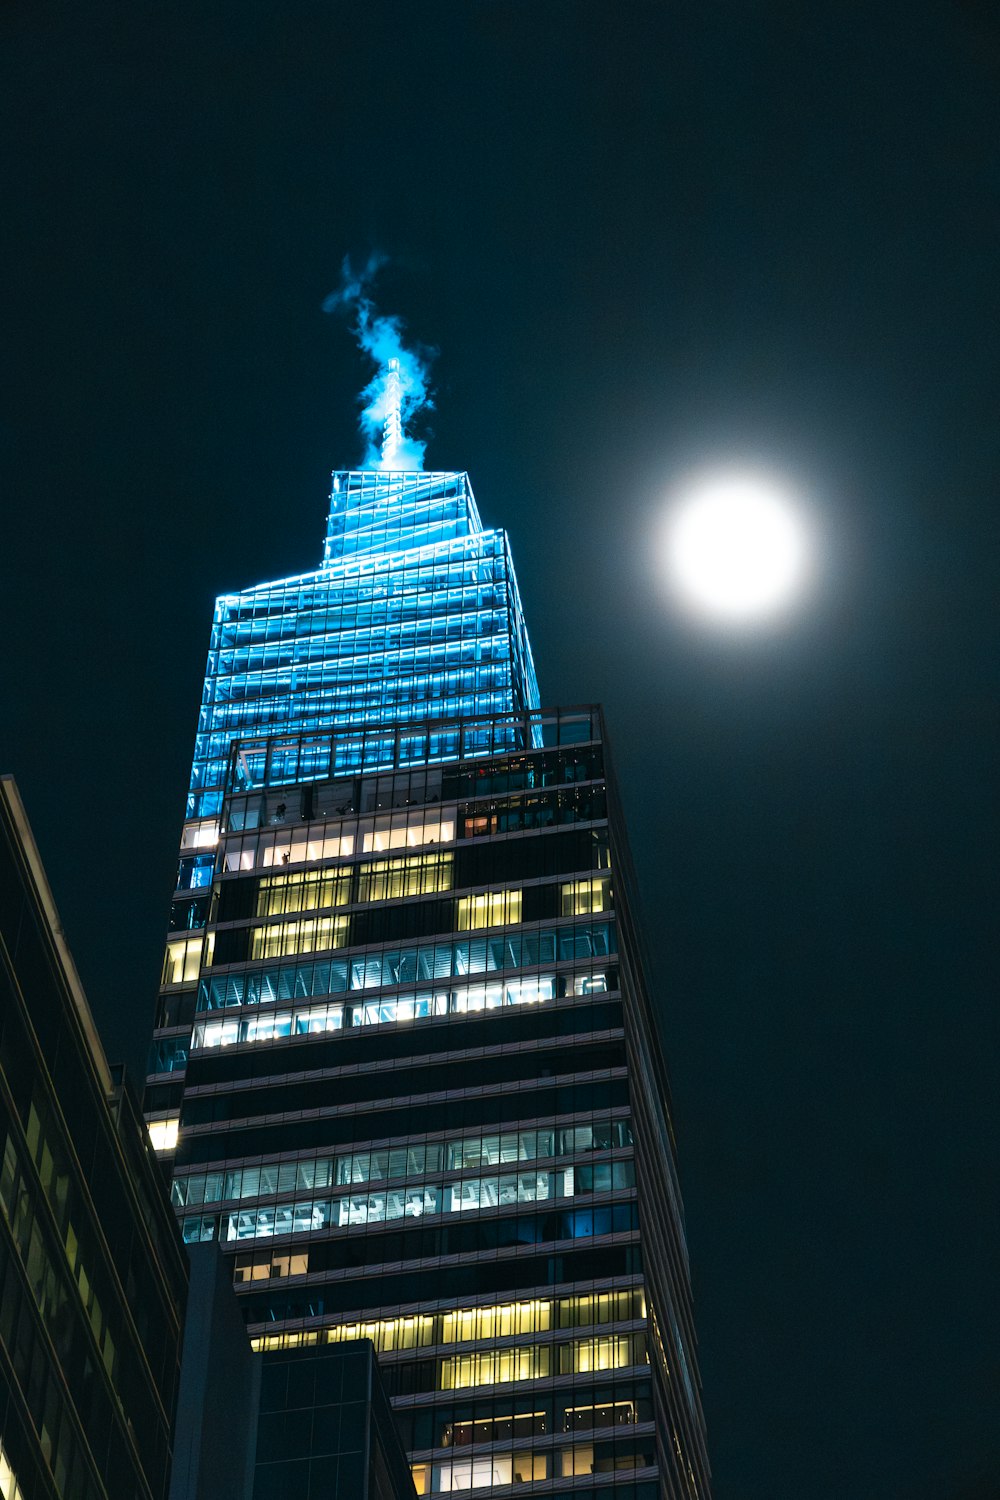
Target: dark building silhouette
[(92, 1273), (405, 1066), (276, 1426), (326, 1428)]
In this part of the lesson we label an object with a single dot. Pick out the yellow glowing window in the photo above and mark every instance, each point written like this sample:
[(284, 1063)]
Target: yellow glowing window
[(303, 891), (585, 1356), (494, 1367), (9, 1487), (386, 1334), (251, 1268), (311, 935), (491, 909), (479, 1324), (183, 960), (415, 875), (469, 1323), (603, 1307), (163, 1133), (579, 897)]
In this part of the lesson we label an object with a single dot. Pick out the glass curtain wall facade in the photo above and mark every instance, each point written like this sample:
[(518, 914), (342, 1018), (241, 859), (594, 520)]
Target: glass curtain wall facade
[(414, 615), (405, 1067), (92, 1274)]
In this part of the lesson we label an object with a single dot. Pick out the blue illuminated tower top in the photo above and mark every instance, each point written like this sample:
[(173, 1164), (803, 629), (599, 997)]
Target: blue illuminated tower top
[(413, 615)]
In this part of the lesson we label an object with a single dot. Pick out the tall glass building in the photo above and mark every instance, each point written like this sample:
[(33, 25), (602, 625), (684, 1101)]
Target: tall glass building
[(405, 1066), (93, 1282)]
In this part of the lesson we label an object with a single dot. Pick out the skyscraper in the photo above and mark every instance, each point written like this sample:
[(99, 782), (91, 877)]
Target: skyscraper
[(405, 1062), (92, 1279)]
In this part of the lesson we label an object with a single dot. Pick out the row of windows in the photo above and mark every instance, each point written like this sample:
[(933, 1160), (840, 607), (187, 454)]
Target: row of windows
[(492, 863), (420, 613), (282, 939), (282, 813), (532, 1272), (380, 880), (428, 1200), (283, 845), (450, 698), (313, 1020), (55, 1432), (466, 1325), (454, 1115), (397, 1162), (55, 1180), (453, 699), (440, 639), (327, 602), (465, 1195), (377, 1245), (278, 895), (488, 1367), (41, 1278), (301, 758), (641, 1489), (286, 841), (523, 1028), (472, 583), (530, 1465), (397, 966), (269, 1096), (403, 664), (617, 1403), (412, 875)]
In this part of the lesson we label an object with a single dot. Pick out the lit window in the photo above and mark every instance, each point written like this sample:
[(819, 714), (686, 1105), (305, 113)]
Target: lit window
[(309, 936), (9, 1487), (416, 876), (494, 1367), (479, 1473), (182, 961), (303, 891), (586, 1356), (249, 1268), (491, 909), (579, 897), (484, 1367), (163, 1133), (295, 846), (203, 834), (407, 831), (473, 1323)]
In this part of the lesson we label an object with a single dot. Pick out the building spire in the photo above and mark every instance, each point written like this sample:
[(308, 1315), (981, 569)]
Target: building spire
[(392, 424)]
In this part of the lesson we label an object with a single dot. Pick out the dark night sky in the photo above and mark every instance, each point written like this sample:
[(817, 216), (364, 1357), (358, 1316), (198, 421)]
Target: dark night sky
[(642, 236)]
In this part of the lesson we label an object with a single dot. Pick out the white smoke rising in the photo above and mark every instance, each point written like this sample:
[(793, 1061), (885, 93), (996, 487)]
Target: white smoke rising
[(381, 338)]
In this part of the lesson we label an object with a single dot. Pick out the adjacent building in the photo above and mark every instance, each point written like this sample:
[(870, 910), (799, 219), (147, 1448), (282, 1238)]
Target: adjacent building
[(279, 1425), (92, 1272), (405, 1068)]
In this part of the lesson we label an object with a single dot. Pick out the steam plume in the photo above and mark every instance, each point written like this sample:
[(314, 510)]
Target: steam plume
[(399, 388)]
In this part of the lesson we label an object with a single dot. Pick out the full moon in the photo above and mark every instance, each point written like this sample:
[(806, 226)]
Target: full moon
[(737, 549)]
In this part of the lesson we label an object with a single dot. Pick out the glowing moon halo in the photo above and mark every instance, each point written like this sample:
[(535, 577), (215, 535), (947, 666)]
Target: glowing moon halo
[(737, 549)]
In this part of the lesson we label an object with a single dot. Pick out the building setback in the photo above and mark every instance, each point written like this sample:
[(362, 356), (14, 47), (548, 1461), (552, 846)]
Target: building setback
[(92, 1273), (405, 1065)]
